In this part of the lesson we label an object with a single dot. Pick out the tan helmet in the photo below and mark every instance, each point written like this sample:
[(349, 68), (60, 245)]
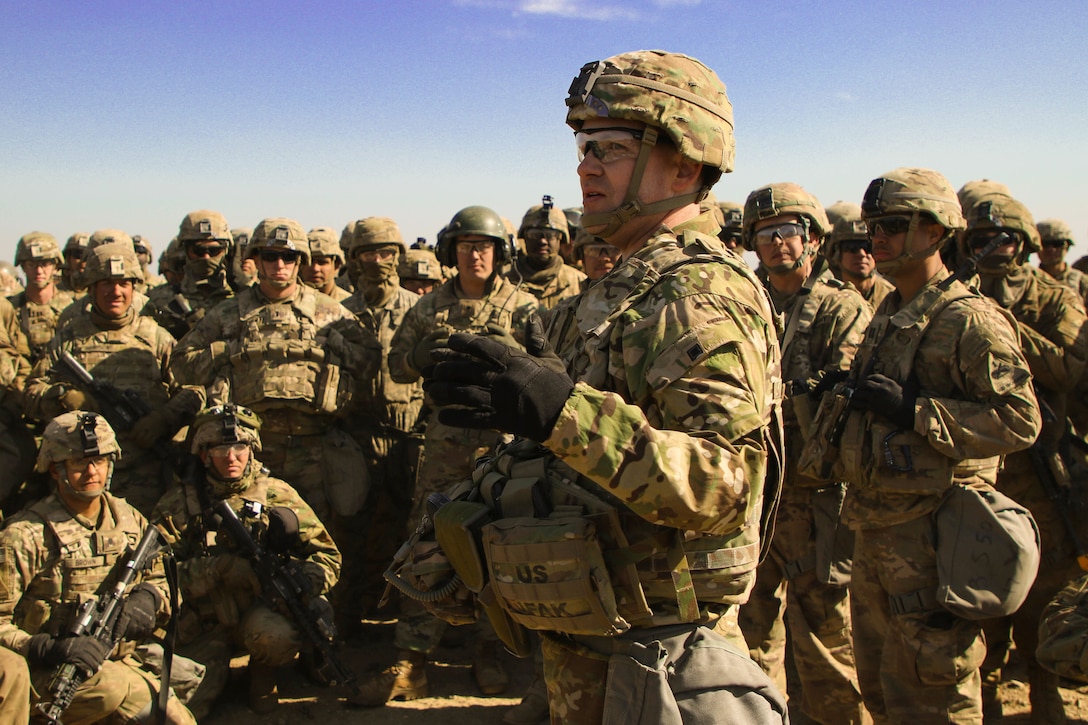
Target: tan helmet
[(1050, 230), (37, 246), (324, 243), (113, 260), (774, 200), (997, 210), (110, 236), (76, 434), (228, 423), (279, 233), (972, 191), (77, 242), (346, 236), (847, 226), (669, 92), (842, 210), (141, 244), (545, 216), (204, 225), (373, 232), (172, 258), (419, 264), (913, 192), (581, 239)]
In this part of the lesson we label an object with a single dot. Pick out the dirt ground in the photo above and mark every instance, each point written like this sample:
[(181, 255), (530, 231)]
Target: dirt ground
[(454, 699)]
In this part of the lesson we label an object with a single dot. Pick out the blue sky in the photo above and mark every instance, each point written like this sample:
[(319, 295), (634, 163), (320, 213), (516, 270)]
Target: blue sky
[(130, 115)]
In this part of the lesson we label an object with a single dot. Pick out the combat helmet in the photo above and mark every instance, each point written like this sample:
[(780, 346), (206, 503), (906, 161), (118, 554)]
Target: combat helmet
[(205, 225), (477, 221), (1050, 230), (77, 243), (77, 434), (224, 424), (972, 191), (324, 243), (999, 211), (669, 92), (419, 264), (841, 210), (38, 246), (913, 192), (279, 233), (373, 232), (110, 236), (546, 216), (240, 237), (774, 200), (113, 260), (846, 226)]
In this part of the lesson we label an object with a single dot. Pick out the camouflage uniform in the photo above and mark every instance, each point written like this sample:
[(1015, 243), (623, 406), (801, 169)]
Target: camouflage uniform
[(323, 242), (295, 361), (1054, 336), (53, 561), (14, 687), (16, 444), (824, 323), (915, 660), (1063, 632), (549, 280), (39, 321), (1055, 230), (217, 616), (133, 354), (204, 285)]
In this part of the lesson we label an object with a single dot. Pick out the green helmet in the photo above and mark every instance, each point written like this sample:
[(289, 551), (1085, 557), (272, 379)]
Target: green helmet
[(373, 232), (76, 434), (545, 216), (997, 210), (110, 236), (205, 225), (972, 191), (37, 245), (472, 220), (228, 423), (774, 200), (913, 192), (112, 260), (670, 93), (1050, 230), (279, 233), (419, 264), (324, 243)]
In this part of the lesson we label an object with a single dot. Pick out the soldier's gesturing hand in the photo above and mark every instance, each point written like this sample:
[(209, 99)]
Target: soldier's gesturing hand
[(496, 386), (886, 397)]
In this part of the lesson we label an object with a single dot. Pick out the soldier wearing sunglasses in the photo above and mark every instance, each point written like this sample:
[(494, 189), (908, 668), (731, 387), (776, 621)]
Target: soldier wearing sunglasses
[(850, 254), (1057, 240)]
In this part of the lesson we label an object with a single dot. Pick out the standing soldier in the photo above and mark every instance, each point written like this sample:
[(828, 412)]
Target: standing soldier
[(541, 271), (825, 320), (477, 300), (849, 252), (143, 253), (205, 240), (596, 257), (243, 269), (385, 425), (223, 606), (1054, 335), (662, 429), (326, 260), (295, 357), (941, 392), (130, 353), (74, 249), (1057, 240), (17, 445), (731, 222), (65, 550), (42, 302), (419, 270)]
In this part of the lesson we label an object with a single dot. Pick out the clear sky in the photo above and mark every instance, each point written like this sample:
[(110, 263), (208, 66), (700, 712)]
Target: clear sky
[(131, 114)]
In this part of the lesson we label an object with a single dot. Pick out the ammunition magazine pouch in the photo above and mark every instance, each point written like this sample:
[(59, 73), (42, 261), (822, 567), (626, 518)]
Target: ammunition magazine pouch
[(834, 551)]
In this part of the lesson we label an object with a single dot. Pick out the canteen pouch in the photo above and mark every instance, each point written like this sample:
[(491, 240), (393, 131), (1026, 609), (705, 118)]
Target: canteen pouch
[(516, 637), (834, 540), (987, 553), (457, 528), (549, 574)]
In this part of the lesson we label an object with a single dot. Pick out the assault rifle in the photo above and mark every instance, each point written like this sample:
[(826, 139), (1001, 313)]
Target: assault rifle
[(97, 618), (846, 390), (122, 408), (284, 584)]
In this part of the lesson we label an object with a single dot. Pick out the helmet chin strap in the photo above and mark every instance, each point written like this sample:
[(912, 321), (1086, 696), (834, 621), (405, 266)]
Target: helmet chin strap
[(632, 207), (891, 266), (62, 480)]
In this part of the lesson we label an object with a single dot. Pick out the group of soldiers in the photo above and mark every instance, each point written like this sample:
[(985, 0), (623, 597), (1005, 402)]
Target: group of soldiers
[(702, 486)]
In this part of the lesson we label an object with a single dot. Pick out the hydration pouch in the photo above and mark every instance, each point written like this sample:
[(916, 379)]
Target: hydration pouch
[(549, 574), (834, 540)]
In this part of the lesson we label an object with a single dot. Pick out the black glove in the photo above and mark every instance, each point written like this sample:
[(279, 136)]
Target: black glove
[(138, 614), (537, 345), (421, 358), (497, 387), (86, 653), (830, 379), (885, 397)]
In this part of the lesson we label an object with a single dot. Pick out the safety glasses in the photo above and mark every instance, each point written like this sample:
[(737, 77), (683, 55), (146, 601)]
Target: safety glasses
[(609, 144), (781, 231)]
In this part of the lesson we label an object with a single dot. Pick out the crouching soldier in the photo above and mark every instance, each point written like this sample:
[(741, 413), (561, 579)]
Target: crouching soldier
[(224, 610), (70, 548)]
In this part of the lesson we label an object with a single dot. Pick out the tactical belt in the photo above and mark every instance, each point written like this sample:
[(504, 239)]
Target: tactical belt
[(920, 600), (797, 567)]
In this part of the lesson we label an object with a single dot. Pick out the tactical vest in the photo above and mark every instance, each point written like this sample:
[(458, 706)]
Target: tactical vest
[(86, 561), (39, 322), (125, 357), (564, 555), (876, 452), (387, 401), (282, 359), (460, 314)]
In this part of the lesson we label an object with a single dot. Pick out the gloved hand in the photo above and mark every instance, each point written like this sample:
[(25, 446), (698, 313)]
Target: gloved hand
[(86, 653), (421, 354), (155, 425), (137, 618), (886, 397), (501, 334), (75, 399), (497, 387), (537, 345)]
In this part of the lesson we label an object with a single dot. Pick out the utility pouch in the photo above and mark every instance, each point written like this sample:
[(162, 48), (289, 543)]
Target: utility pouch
[(335, 389), (820, 456), (549, 574), (457, 528), (516, 637), (834, 540), (343, 467), (436, 585)]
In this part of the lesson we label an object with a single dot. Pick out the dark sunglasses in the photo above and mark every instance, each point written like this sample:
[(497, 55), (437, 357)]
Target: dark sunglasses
[(268, 255), (206, 250), (853, 246), (889, 226)]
